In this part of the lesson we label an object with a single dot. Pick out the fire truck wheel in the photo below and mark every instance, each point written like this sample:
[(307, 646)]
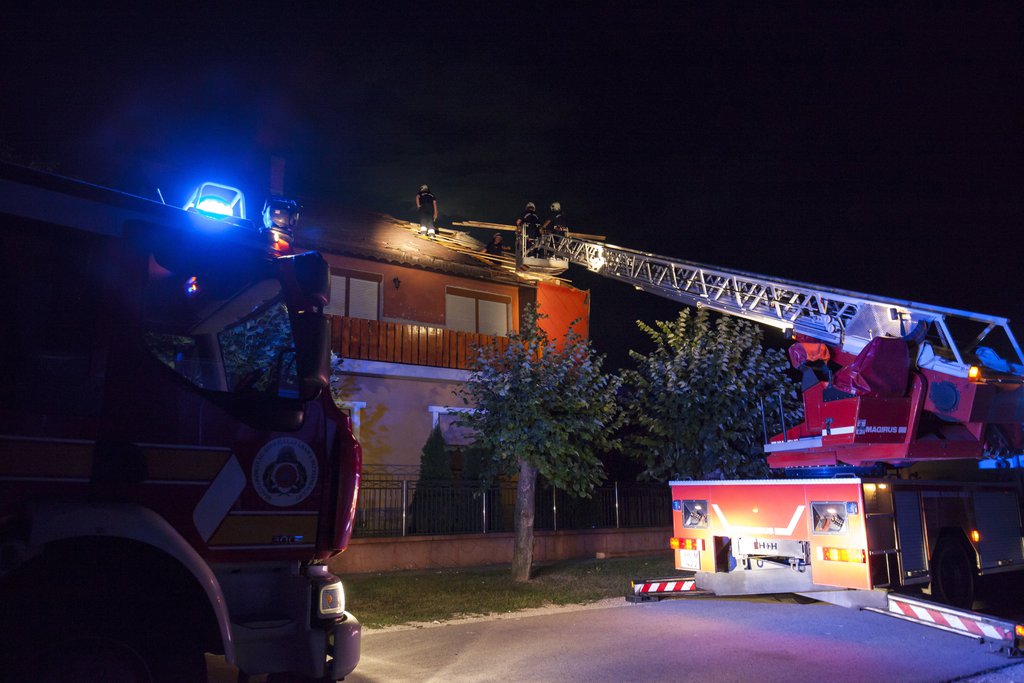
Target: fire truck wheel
[(953, 574), (89, 659), (103, 655)]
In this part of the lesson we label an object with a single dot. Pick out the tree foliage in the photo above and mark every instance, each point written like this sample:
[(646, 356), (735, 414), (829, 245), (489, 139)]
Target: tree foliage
[(551, 407), (435, 463), (693, 404), (430, 510), (541, 407)]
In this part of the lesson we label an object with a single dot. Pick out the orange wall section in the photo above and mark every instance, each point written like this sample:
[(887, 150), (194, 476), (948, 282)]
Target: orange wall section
[(563, 304)]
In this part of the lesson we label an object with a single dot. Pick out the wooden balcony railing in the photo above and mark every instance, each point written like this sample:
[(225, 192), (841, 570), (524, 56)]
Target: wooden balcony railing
[(407, 343)]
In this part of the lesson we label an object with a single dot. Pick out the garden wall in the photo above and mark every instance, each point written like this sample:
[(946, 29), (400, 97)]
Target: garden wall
[(472, 550)]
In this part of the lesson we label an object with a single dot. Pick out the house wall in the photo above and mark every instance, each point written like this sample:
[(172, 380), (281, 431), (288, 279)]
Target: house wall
[(420, 296), (391, 402), (394, 399), (395, 422)]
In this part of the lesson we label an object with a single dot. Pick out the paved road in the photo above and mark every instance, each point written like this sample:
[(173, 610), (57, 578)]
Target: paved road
[(713, 639)]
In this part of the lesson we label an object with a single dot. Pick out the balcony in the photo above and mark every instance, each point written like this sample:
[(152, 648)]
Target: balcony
[(407, 343)]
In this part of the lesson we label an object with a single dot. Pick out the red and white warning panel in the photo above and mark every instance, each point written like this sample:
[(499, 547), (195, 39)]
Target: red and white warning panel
[(644, 590), (1009, 635)]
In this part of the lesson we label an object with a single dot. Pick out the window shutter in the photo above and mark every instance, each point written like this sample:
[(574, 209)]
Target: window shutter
[(363, 298), (493, 317), (460, 313), (337, 304)]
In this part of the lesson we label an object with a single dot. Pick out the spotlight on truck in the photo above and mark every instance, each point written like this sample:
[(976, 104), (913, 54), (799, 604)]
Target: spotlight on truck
[(280, 216)]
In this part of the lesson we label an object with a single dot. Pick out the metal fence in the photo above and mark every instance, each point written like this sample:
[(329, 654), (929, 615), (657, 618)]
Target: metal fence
[(393, 507)]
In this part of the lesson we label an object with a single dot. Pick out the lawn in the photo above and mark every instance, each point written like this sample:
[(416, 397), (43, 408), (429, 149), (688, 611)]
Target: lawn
[(394, 598)]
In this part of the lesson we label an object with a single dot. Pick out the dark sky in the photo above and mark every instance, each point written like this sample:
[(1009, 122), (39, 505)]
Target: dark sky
[(873, 150)]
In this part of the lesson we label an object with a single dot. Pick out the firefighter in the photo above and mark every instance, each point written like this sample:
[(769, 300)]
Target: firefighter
[(555, 222), (527, 232), (529, 223), (496, 247), (426, 205)]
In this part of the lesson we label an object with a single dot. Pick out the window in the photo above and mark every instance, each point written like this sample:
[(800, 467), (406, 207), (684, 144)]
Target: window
[(51, 343), (354, 294), (447, 418), (241, 343), (354, 411), (695, 514), (471, 311), (831, 517)]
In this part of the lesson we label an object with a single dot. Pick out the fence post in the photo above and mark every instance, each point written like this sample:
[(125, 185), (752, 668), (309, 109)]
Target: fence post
[(484, 498), (616, 505), (405, 504), (554, 509)]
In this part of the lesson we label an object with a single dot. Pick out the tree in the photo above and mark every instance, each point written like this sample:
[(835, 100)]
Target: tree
[(693, 405), (541, 407), (430, 511), (435, 463)]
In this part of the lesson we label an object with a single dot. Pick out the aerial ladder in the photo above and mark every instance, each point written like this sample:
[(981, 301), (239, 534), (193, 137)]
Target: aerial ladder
[(884, 380), (902, 475)]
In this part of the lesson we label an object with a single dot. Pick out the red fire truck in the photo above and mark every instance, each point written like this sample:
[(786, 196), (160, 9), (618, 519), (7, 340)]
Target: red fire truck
[(905, 471), (172, 476)]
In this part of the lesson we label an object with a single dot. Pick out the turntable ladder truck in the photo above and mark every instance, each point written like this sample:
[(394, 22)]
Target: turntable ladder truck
[(905, 473)]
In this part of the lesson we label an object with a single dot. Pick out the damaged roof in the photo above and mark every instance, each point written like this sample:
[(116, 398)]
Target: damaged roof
[(380, 237)]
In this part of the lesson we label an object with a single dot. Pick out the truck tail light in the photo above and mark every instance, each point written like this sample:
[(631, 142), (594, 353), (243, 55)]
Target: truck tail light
[(843, 555), (686, 543)]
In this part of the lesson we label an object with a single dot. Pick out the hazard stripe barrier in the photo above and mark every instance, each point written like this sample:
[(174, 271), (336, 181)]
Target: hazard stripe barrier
[(960, 621), (665, 586)]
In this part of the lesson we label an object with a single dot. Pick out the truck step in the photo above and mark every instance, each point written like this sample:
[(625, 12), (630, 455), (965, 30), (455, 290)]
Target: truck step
[(649, 590), (1007, 635)]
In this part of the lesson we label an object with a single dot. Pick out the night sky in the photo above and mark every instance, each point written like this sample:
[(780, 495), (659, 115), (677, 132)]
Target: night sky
[(873, 150)]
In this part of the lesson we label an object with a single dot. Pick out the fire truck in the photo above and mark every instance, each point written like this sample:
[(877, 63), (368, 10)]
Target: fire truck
[(904, 474), (173, 478)]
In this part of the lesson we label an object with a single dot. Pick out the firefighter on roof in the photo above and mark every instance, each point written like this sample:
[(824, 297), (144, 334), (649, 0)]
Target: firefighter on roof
[(496, 247), (426, 205)]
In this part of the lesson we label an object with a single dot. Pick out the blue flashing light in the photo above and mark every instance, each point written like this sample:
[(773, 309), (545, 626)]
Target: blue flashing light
[(216, 200), (1012, 462), (213, 205)]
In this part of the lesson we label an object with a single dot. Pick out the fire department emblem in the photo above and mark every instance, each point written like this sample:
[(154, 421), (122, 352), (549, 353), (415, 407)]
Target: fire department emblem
[(284, 472)]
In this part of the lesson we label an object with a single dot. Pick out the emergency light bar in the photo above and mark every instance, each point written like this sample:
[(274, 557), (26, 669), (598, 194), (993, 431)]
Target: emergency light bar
[(216, 200)]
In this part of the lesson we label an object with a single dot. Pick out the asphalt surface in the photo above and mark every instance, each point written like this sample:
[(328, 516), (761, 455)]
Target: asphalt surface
[(708, 639), (762, 639)]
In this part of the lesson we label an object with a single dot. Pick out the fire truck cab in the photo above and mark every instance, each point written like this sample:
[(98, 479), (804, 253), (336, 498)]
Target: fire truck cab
[(172, 476)]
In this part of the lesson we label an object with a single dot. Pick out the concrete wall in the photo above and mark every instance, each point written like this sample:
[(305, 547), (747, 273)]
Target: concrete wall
[(429, 552)]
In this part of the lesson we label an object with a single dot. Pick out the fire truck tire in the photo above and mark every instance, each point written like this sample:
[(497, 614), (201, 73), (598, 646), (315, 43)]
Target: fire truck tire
[(953, 574), (87, 659), (76, 609), (105, 655)]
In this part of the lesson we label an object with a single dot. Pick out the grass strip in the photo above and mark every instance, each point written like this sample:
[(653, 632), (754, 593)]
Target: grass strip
[(393, 598)]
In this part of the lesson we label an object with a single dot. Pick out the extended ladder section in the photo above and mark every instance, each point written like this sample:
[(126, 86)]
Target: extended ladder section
[(833, 316)]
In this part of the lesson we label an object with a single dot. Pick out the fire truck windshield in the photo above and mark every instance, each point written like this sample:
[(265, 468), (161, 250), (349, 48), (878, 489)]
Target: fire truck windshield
[(227, 335)]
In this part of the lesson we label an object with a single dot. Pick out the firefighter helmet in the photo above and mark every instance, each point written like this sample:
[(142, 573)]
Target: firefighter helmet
[(530, 206), (556, 206), (424, 188)]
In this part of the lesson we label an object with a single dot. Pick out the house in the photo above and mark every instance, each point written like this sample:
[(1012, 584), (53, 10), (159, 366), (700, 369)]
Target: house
[(406, 314)]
